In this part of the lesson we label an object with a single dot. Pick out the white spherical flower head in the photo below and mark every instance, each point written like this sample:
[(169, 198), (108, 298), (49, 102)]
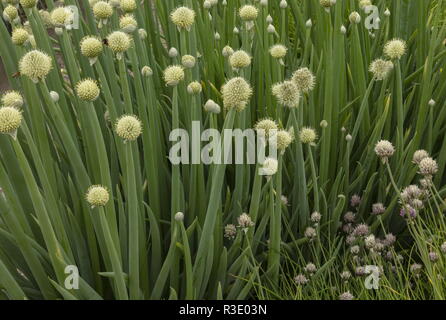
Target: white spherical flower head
[(97, 196), (248, 13), (188, 61), (128, 5), (91, 47), (283, 139), (355, 17), (384, 149), (102, 10), (363, 4), (128, 23), (194, 87), (128, 127), (428, 167), (179, 216), (28, 3), (12, 99), (239, 59), (146, 71), (266, 127), (395, 49), (381, 69), (35, 65), (10, 13), (54, 96), (183, 18), (419, 155), (227, 51), (278, 51), (269, 167), (236, 93), (10, 120), (212, 107), (244, 221), (287, 94), (87, 90), (307, 135), (19, 36), (304, 80), (119, 42), (173, 75)]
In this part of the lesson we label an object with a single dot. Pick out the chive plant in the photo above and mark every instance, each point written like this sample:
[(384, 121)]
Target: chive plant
[(351, 92)]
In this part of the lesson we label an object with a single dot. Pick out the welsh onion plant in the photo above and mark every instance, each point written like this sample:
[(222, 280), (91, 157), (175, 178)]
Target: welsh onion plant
[(351, 93)]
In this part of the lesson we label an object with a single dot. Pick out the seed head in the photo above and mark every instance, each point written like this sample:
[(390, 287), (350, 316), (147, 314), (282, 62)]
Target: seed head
[(395, 48), (269, 167), (118, 42), (304, 80), (91, 47), (183, 18), (12, 99), (128, 23), (97, 196), (19, 36), (355, 17), (188, 61), (248, 13), (266, 127), (287, 94), (194, 87), (102, 10), (128, 5), (307, 135), (87, 90), (236, 93), (28, 3), (384, 149), (278, 51), (173, 75), (35, 65), (239, 59), (428, 167), (128, 127), (381, 68)]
